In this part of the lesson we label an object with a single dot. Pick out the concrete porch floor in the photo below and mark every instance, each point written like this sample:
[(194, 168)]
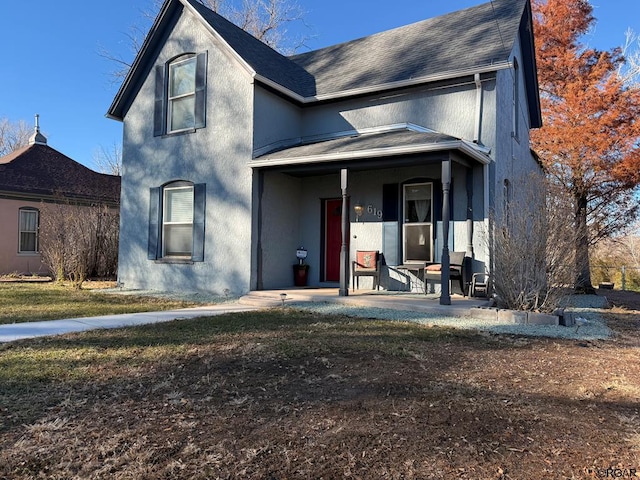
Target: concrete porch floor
[(409, 301)]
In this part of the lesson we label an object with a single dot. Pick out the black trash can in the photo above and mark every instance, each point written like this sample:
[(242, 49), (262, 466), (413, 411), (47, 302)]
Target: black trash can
[(300, 275)]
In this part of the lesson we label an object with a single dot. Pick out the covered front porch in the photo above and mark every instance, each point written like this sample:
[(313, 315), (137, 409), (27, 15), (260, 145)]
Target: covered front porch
[(413, 196)]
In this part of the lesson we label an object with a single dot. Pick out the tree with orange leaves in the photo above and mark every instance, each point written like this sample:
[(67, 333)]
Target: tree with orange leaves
[(590, 139)]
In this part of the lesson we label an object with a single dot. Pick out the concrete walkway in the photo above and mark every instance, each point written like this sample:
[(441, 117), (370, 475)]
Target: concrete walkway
[(18, 331), (253, 301)]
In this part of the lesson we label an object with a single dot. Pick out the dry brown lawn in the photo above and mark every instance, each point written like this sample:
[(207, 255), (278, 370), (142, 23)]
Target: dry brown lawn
[(285, 394)]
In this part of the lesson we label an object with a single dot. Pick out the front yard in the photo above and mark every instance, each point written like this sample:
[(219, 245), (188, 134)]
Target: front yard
[(285, 394), (31, 301)]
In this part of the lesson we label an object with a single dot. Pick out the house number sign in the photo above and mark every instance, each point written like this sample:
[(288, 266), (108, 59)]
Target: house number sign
[(371, 210)]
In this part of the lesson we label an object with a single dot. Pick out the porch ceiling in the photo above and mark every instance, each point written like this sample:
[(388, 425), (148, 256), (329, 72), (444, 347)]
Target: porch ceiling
[(366, 150)]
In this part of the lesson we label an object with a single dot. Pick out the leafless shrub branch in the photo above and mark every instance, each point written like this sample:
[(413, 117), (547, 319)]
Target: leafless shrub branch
[(79, 241), (533, 247)]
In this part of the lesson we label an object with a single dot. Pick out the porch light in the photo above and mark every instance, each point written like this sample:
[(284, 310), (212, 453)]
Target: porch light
[(359, 209)]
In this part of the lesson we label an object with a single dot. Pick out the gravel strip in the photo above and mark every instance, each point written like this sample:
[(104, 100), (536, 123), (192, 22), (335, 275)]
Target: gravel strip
[(589, 326)]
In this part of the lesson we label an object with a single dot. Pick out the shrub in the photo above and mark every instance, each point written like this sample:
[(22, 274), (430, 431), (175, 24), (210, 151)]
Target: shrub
[(79, 241), (533, 243)]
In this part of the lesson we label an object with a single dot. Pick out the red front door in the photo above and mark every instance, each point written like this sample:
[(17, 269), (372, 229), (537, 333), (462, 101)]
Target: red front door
[(333, 239)]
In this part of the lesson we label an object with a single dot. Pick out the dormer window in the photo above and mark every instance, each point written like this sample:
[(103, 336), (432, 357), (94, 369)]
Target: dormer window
[(180, 94)]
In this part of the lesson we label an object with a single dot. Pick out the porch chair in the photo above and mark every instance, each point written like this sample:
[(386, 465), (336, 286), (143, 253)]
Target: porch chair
[(457, 270), (480, 285), (366, 264)]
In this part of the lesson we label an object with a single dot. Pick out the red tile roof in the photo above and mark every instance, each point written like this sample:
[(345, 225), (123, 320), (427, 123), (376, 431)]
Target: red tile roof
[(41, 171)]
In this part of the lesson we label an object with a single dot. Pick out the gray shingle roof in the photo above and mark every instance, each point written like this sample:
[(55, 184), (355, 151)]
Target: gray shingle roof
[(358, 143), (392, 142), (457, 43), (475, 37), (262, 58)]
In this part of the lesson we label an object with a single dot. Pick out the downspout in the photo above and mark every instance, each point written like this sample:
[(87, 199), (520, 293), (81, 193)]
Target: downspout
[(478, 126), (469, 252), (477, 132)]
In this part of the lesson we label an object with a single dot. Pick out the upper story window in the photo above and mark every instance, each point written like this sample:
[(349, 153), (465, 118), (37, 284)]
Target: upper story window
[(28, 230), (180, 95)]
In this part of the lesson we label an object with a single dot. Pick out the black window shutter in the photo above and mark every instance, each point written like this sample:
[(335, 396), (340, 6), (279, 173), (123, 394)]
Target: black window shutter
[(154, 222), (390, 202), (201, 90), (159, 107), (199, 201)]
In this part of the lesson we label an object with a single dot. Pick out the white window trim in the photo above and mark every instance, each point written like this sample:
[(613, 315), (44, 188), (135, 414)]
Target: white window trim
[(20, 231), (405, 223), (165, 222), (170, 99)]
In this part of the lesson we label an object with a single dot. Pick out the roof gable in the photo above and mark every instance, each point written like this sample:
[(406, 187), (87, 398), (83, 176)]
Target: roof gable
[(40, 170), (474, 40)]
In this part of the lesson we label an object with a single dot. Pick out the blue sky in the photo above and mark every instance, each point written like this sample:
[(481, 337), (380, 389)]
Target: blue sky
[(51, 64)]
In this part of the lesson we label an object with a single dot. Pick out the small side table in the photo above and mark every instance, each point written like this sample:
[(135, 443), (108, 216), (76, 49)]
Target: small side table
[(418, 268)]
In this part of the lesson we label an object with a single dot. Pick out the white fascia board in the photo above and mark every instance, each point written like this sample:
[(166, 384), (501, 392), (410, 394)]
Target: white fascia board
[(373, 153), (276, 86), (476, 146), (384, 86), (474, 152)]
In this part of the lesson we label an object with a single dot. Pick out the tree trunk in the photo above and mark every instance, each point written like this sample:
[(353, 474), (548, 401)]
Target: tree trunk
[(582, 270)]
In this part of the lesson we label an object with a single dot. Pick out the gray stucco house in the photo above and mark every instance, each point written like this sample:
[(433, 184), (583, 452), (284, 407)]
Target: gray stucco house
[(235, 156)]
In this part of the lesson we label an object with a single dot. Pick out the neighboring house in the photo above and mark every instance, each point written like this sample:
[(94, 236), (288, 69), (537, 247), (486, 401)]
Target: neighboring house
[(31, 178), (234, 155)]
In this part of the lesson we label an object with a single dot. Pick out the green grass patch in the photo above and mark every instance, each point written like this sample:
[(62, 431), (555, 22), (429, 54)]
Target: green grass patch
[(27, 302)]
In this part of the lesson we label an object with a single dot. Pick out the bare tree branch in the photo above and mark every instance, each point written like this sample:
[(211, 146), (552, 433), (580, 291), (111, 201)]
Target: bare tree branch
[(629, 71), (108, 160), (264, 19), (13, 135)]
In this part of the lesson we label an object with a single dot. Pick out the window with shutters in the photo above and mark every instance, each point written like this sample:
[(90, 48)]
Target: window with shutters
[(180, 94), (177, 222)]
